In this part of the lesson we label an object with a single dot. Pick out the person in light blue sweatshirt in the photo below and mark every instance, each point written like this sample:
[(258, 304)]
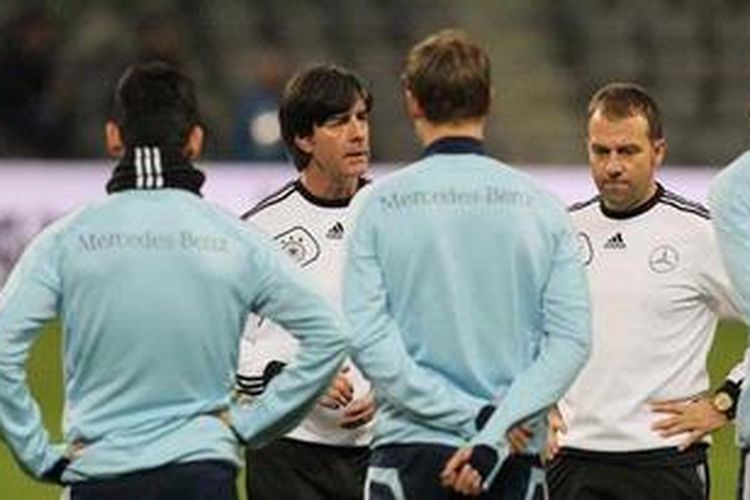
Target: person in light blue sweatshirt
[(152, 287), (729, 199), (466, 296)]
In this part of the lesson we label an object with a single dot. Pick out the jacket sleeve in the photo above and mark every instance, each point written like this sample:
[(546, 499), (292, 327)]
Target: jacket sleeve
[(736, 375), (565, 348), (28, 300), (284, 296), (729, 201), (378, 349), (730, 210)]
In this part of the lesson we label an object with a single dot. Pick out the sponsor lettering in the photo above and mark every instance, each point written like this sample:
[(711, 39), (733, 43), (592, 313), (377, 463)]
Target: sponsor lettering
[(487, 195), (157, 242)]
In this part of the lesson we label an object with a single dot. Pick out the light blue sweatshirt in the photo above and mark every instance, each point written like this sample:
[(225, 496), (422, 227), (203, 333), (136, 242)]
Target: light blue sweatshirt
[(463, 287), (729, 200), (153, 288)]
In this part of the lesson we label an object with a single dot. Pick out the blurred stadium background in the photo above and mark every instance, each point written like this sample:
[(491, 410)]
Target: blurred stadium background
[(59, 61)]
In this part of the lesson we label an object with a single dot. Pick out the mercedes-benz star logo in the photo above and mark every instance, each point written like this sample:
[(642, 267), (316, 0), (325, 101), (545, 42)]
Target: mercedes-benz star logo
[(663, 259)]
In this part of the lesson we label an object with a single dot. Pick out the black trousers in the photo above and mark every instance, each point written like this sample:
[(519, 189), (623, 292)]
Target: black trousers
[(201, 480), (413, 471), (288, 469), (663, 474)]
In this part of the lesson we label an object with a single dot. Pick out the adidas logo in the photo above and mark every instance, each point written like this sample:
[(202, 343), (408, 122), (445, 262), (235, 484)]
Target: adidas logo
[(336, 232), (615, 242)]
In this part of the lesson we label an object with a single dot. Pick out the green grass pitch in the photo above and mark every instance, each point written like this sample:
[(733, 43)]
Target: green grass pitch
[(45, 379)]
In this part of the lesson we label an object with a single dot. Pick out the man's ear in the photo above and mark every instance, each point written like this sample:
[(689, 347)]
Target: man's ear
[(413, 108), (660, 148), (194, 145), (113, 139), (305, 144)]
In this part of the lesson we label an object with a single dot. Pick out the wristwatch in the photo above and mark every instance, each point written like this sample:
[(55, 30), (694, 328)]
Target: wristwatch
[(723, 402), (725, 398)]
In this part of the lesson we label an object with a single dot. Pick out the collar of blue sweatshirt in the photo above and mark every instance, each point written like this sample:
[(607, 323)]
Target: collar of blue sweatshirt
[(454, 145)]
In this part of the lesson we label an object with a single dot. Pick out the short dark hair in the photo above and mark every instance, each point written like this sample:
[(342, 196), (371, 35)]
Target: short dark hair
[(155, 105), (449, 76), (313, 96), (618, 100)]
